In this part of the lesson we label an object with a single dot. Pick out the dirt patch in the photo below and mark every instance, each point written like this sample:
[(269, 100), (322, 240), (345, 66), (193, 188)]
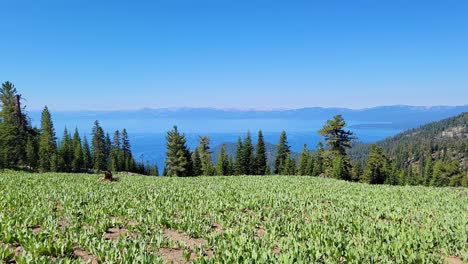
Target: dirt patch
[(276, 250), (85, 256), (260, 232), (453, 260), (217, 228), (175, 255), (63, 223), (35, 229), (177, 236), (114, 233)]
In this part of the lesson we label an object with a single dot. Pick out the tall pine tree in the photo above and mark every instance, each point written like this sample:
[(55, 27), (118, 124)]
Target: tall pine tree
[(47, 143), (98, 147), (282, 152), (260, 156), (178, 161)]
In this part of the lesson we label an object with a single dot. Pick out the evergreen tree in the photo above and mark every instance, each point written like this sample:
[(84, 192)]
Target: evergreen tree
[(310, 165), (318, 165), (377, 169), (238, 166), (115, 158), (247, 156), (32, 149), (338, 168), (98, 147), (127, 153), (77, 150), (65, 154), (289, 167), (282, 150), (428, 168), (356, 172), (87, 158), (197, 163), (14, 127), (260, 156), (231, 169), (304, 159), (178, 161), (336, 137), (222, 164), (205, 156), (47, 143)]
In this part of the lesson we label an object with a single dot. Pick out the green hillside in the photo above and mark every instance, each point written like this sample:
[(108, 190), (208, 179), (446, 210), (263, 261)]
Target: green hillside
[(444, 142), (72, 218)]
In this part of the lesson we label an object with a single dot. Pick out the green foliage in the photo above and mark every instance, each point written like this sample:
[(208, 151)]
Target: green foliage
[(197, 163), (413, 153), (47, 143), (247, 161), (303, 219), (238, 166), (283, 151), (336, 137), (222, 164), (260, 155), (205, 156), (305, 162), (178, 158), (378, 168), (98, 147)]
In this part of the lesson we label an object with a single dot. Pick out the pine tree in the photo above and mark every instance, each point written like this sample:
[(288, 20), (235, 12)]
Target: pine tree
[(178, 161), (336, 137), (260, 156), (428, 168), (77, 150), (32, 149), (98, 147), (289, 167), (205, 156), (338, 167), (238, 166), (65, 152), (310, 165), (127, 153), (377, 169), (356, 172), (197, 163), (304, 159), (318, 165), (282, 150), (87, 158), (222, 164), (47, 143), (14, 127), (247, 156), (115, 162)]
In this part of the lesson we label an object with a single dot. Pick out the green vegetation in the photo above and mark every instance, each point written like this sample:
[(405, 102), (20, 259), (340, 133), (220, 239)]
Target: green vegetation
[(73, 217), (23, 147), (414, 154)]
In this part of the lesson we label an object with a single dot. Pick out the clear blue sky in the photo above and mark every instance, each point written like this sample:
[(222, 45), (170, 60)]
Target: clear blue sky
[(77, 54)]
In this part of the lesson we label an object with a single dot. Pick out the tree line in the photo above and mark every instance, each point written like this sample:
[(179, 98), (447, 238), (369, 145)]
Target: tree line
[(37, 149), (397, 161)]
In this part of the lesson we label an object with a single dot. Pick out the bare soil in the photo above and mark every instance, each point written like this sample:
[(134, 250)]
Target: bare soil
[(260, 232), (85, 256), (175, 255), (115, 232), (177, 236), (217, 228), (454, 260)]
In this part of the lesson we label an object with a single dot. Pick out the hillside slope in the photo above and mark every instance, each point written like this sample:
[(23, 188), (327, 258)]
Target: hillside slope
[(445, 140)]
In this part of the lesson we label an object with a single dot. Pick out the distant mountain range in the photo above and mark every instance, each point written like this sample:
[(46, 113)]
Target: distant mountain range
[(386, 117)]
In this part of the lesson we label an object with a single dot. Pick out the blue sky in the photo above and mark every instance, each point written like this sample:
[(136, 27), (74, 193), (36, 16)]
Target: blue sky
[(106, 55)]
